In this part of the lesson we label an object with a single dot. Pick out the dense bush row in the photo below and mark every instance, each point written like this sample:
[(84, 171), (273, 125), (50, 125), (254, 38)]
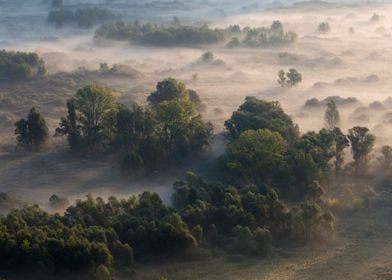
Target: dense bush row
[(180, 35), (85, 17), (94, 232), (150, 34), (16, 66)]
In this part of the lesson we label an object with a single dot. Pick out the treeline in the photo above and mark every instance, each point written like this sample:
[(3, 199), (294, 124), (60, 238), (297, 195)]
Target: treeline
[(83, 17), (177, 34), (167, 131), (152, 34), (94, 234), (16, 66)]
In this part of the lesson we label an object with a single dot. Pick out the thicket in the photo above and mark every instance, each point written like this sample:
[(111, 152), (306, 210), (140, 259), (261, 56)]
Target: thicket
[(17, 66)]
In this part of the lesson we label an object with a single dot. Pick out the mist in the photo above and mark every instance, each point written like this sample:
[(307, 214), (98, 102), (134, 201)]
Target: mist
[(348, 64)]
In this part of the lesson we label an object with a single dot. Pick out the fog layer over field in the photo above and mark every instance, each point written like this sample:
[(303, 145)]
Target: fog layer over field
[(351, 61)]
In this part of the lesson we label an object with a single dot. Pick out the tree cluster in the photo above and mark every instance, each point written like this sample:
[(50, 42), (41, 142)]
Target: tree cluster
[(289, 79), (266, 148), (167, 131), (177, 34), (17, 66), (155, 35), (94, 233), (84, 17)]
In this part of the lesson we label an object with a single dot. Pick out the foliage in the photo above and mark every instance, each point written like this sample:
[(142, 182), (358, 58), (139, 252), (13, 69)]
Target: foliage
[(167, 90), (289, 79), (273, 36), (18, 66), (90, 121), (386, 159), (85, 17), (257, 154), (332, 117), (150, 34), (258, 114), (324, 27), (362, 143), (33, 131), (180, 35)]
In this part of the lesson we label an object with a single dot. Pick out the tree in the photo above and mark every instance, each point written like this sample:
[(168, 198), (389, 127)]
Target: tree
[(331, 117), (362, 143), (208, 57), (386, 159), (133, 126), (180, 128), (282, 78), (90, 123), (167, 90), (33, 132), (293, 77), (341, 142), (324, 27), (257, 154), (289, 79), (258, 114)]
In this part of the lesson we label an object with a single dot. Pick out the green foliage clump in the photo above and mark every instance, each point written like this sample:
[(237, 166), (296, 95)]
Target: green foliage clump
[(289, 79), (90, 121), (258, 114), (150, 34), (18, 66), (324, 27), (167, 132), (362, 143), (257, 154), (85, 17), (264, 37), (246, 219), (32, 132)]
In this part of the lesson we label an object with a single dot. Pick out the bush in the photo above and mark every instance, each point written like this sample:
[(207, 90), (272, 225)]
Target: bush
[(18, 66)]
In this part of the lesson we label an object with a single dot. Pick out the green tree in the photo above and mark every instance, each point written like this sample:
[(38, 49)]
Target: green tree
[(282, 78), (332, 116), (324, 27), (293, 77), (91, 119), (258, 114), (180, 128), (386, 159), (33, 131), (362, 143), (167, 90), (257, 154), (341, 143)]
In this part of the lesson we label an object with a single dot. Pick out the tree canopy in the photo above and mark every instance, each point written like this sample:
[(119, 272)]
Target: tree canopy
[(258, 114), (33, 131)]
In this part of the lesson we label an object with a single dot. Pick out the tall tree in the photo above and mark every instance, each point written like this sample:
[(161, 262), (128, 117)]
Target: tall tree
[(331, 117), (166, 90), (91, 118), (33, 132), (181, 128), (362, 143)]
